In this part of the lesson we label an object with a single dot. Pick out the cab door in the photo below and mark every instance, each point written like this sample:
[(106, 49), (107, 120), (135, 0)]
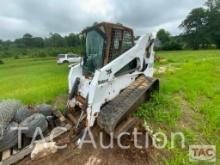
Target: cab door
[(122, 40)]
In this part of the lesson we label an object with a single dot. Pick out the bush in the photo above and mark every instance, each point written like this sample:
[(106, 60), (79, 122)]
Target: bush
[(1, 62), (16, 57), (42, 54), (172, 45)]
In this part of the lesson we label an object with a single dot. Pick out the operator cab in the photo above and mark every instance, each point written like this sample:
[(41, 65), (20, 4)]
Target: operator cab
[(103, 43)]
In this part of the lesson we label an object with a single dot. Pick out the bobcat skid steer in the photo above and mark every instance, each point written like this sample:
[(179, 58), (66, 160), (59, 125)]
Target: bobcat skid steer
[(114, 78)]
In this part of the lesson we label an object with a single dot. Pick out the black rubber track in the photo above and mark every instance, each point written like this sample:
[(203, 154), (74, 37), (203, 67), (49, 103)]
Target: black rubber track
[(8, 109), (45, 109), (10, 138), (125, 103), (34, 121), (21, 114)]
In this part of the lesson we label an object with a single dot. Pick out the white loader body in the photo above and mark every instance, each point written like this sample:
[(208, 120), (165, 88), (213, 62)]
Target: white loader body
[(105, 85)]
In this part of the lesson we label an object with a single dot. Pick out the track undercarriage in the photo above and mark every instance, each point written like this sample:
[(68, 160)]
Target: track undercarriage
[(116, 117)]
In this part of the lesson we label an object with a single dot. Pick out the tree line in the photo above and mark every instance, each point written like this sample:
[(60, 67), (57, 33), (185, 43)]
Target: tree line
[(201, 29), (52, 45), (31, 46), (54, 40)]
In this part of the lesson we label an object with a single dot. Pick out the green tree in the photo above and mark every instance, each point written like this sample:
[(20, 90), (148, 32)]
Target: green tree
[(163, 36), (195, 28), (27, 40), (167, 41), (201, 27), (213, 4), (38, 42), (55, 40), (72, 40), (19, 43), (214, 21)]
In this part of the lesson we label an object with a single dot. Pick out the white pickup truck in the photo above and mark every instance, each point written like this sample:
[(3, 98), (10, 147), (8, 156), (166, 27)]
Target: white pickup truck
[(68, 58)]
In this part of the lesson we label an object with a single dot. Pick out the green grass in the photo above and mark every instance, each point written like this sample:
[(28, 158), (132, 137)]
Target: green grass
[(32, 80), (189, 100)]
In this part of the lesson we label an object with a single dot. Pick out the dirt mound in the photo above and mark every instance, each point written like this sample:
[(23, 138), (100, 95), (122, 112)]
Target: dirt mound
[(89, 155)]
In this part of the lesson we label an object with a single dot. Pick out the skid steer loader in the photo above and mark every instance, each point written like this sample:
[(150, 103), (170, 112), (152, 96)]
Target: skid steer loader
[(114, 78)]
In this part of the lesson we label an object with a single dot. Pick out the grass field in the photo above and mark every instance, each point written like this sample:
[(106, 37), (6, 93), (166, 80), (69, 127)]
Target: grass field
[(189, 99), (32, 80)]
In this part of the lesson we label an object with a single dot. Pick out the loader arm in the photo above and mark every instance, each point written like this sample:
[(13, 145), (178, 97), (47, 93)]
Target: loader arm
[(137, 53)]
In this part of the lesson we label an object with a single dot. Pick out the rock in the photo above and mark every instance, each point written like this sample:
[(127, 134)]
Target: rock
[(42, 149)]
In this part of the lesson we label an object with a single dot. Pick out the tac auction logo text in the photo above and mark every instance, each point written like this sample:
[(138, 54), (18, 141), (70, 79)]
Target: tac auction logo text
[(202, 153)]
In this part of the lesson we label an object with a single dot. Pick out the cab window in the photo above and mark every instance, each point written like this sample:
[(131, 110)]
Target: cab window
[(94, 51), (127, 41), (115, 49)]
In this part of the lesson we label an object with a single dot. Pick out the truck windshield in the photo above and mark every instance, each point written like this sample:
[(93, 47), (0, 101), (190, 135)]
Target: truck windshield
[(93, 58)]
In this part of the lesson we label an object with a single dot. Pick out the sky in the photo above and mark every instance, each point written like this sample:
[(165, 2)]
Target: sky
[(40, 17)]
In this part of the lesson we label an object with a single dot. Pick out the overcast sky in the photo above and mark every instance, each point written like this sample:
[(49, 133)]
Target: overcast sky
[(40, 17)]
